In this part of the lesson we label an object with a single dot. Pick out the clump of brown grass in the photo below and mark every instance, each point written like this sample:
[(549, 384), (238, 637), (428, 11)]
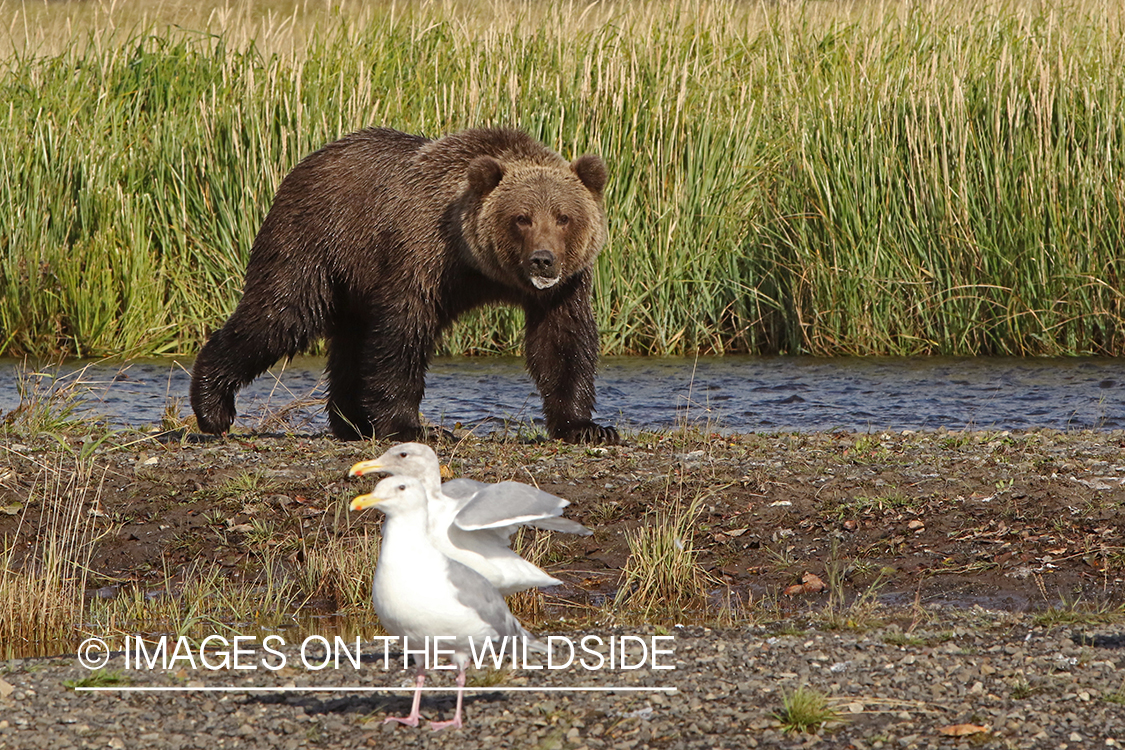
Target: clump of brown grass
[(530, 606), (341, 569), (203, 598), (663, 577), (42, 579)]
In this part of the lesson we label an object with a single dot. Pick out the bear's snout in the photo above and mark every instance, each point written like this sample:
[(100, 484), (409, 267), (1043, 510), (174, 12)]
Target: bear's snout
[(544, 269)]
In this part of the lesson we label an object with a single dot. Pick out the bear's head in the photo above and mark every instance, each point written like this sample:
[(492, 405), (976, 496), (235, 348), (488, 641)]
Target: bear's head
[(532, 225)]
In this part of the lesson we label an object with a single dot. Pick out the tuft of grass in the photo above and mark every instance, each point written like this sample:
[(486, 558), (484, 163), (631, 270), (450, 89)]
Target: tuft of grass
[(1079, 612), (781, 555), (246, 486), (862, 505), (788, 628), (49, 402), (663, 577), (98, 678), (806, 710), (530, 606), (42, 584), (1117, 696), (903, 640), (1022, 690), (202, 599), (862, 611), (341, 569), (489, 677), (263, 533), (172, 421)]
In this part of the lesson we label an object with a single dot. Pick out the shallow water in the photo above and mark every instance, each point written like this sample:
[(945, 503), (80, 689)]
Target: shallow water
[(726, 394)]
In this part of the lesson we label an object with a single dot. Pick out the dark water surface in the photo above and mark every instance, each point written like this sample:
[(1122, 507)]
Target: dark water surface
[(728, 394)]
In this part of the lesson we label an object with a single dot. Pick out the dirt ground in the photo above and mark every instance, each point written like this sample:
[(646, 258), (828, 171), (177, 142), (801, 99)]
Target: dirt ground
[(1018, 522)]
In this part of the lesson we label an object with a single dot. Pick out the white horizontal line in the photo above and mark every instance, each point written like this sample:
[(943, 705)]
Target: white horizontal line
[(294, 689)]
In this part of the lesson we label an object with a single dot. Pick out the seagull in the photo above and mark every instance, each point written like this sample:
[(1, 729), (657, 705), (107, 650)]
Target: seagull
[(472, 521), (418, 592)]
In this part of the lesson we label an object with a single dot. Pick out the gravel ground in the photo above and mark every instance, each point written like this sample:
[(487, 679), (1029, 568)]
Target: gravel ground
[(1030, 686)]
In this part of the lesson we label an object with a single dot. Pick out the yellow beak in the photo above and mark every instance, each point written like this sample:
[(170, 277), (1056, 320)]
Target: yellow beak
[(365, 467), (364, 501)]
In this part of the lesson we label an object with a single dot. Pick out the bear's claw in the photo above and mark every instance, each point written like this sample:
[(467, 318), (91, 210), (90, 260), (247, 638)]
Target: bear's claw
[(590, 432)]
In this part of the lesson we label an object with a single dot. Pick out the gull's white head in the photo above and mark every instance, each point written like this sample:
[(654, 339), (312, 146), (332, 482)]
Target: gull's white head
[(405, 459), (393, 495)]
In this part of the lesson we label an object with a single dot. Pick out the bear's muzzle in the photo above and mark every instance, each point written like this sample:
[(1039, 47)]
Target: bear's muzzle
[(543, 268)]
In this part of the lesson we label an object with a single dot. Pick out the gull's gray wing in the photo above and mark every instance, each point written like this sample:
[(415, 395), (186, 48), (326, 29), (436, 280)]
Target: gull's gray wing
[(475, 592), (462, 489), (513, 504), (558, 523)]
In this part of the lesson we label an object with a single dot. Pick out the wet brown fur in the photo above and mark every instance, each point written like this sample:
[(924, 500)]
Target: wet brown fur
[(380, 240)]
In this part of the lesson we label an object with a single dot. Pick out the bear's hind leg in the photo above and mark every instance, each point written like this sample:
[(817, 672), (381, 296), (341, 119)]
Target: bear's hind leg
[(225, 365), (376, 381), (345, 412)]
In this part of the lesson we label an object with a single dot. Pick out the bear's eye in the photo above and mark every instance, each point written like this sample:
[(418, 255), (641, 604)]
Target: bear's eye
[(523, 220), (563, 220)]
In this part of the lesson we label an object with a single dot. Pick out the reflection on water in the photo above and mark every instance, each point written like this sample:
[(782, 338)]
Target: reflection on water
[(728, 394)]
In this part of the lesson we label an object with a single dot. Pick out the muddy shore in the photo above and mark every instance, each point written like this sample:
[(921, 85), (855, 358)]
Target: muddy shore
[(1009, 521), (958, 570)]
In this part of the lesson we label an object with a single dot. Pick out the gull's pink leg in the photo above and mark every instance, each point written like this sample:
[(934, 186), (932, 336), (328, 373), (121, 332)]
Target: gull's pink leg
[(455, 722), (416, 709)]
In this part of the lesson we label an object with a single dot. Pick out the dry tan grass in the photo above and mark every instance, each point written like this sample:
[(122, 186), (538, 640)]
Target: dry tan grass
[(663, 577), (43, 583)]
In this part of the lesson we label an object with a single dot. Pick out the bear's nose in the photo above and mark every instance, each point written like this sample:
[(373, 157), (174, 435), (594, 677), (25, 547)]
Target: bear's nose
[(542, 263)]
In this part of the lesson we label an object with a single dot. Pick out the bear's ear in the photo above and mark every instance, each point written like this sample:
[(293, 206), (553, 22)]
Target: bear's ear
[(591, 170), (485, 174)]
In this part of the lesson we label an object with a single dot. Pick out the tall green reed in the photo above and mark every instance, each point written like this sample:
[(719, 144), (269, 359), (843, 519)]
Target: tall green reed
[(832, 178), (958, 189)]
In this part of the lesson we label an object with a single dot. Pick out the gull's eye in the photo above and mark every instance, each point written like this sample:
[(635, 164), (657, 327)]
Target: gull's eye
[(404, 454)]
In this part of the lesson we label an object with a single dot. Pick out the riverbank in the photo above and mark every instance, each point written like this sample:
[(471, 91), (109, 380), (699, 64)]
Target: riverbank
[(1018, 522), (924, 563)]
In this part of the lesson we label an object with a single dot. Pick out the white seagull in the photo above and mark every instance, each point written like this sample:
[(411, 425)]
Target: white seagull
[(418, 592), (472, 521)]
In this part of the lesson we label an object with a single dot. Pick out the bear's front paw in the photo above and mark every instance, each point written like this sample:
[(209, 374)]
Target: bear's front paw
[(589, 432), (435, 434), (215, 416)]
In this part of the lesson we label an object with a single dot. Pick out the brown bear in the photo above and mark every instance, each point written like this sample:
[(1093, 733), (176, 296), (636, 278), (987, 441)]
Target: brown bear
[(380, 240)]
